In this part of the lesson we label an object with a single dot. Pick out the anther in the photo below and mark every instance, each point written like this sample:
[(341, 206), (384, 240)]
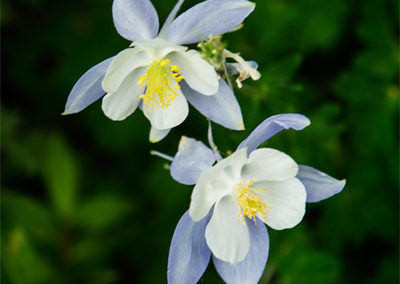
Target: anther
[(158, 83)]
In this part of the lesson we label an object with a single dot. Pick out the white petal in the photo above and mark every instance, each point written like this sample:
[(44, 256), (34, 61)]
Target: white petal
[(168, 117), (122, 103), (215, 183), (158, 134), (286, 201), (269, 164), (249, 270), (135, 19), (198, 73), (158, 47), (227, 235), (125, 62)]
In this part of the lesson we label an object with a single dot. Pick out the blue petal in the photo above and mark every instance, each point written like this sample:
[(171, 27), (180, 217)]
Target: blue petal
[(88, 88), (217, 155), (222, 108), (192, 158), (249, 270), (170, 17), (189, 254), (212, 17), (319, 186), (135, 19), (271, 126)]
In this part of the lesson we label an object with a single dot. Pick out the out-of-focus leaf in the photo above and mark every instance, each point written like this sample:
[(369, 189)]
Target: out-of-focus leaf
[(21, 262), (103, 211), (100, 276), (29, 214), (22, 147), (309, 267), (388, 272), (326, 127), (280, 72), (91, 251), (60, 174), (275, 82)]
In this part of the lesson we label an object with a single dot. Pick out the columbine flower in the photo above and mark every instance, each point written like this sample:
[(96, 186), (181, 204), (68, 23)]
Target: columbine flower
[(158, 74), (234, 197)]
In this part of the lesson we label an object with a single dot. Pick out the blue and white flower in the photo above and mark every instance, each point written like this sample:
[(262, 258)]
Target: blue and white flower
[(232, 198), (157, 73)]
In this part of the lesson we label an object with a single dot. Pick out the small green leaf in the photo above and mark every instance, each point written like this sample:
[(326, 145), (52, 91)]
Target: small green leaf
[(309, 266), (278, 74), (21, 262), (60, 174), (92, 250), (29, 214), (103, 211)]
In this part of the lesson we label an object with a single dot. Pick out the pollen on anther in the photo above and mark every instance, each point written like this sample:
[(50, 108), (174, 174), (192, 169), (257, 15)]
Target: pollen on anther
[(175, 68), (158, 83), (164, 62), (250, 202)]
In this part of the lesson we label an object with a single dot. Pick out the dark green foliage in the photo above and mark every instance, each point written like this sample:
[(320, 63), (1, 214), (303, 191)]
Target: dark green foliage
[(84, 202)]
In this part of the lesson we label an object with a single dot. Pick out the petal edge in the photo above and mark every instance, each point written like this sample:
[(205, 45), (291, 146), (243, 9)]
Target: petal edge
[(249, 270), (319, 186), (222, 108), (271, 126), (192, 158), (189, 254), (135, 19), (87, 89), (212, 17)]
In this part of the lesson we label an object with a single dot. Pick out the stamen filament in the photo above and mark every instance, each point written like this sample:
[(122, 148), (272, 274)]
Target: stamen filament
[(250, 202), (158, 81)]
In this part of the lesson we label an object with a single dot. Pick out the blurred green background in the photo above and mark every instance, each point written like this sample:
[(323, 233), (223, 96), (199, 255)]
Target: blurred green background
[(83, 201)]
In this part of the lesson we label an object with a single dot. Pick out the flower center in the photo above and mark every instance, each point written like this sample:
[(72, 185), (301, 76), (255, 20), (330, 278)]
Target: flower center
[(161, 82), (250, 202)]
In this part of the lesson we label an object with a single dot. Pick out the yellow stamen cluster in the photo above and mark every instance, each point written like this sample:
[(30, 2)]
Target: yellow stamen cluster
[(161, 82), (249, 201)]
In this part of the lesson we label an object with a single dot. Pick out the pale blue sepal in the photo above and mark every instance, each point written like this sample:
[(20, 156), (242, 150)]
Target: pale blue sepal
[(222, 108), (189, 254), (212, 17), (271, 126), (249, 270), (135, 19), (319, 186), (192, 158), (210, 138), (170, 18), (87, 89)]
